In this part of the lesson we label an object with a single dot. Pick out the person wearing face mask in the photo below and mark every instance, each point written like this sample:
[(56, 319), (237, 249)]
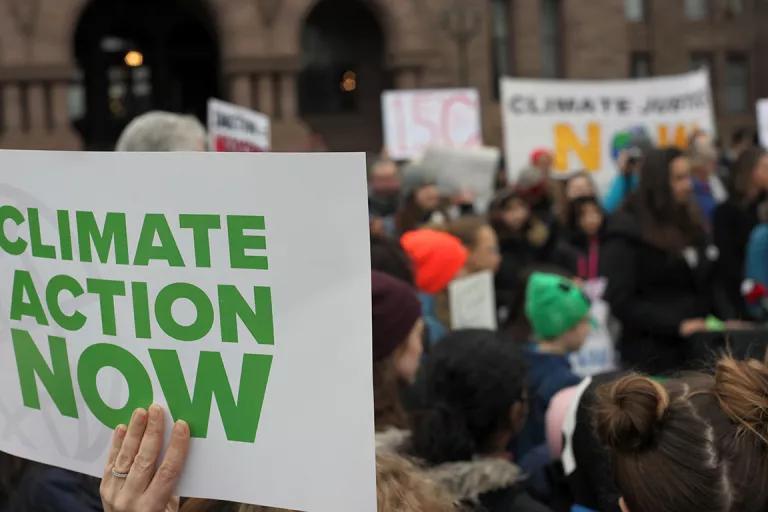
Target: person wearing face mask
[(384, 194), (660, 265)]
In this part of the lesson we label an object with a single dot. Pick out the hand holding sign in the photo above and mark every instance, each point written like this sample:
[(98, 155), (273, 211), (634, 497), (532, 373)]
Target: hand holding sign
[(132, 480)]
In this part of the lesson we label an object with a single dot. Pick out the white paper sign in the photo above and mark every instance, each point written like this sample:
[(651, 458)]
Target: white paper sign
[(188, 280), (235, 128), (419, 118), (473, 302), (762, 121), (598, 354), (587, 123), (472, 170)]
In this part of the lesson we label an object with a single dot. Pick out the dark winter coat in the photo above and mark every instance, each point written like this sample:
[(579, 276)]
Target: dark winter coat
[(652, 291), (47, 489), (731, 228), (539, 248)]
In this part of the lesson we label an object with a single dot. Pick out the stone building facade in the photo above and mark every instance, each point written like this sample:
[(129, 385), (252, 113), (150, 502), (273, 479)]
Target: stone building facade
[(65, 82)]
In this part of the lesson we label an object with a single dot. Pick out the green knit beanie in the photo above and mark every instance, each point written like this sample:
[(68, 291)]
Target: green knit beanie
[(554, 305)]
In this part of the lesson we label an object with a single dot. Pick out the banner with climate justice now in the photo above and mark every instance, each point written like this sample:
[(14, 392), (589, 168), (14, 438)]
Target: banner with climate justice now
[(587, 123)]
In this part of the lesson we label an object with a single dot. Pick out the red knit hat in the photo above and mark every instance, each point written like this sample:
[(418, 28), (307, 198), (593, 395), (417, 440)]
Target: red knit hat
[(537, 153), (437, 258)]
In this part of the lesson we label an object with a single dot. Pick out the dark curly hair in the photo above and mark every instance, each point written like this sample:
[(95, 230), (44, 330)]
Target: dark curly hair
[(465, 390)]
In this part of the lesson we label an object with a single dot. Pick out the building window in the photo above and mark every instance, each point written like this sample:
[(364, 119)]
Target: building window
[(737, 84), (500, 43), (640, 65), (697, 10), (734, 7), (634, 10), (701, 60), (550, 38)]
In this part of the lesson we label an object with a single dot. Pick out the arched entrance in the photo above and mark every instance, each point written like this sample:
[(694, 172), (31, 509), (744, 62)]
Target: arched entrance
[(139, 55), (343, 74)]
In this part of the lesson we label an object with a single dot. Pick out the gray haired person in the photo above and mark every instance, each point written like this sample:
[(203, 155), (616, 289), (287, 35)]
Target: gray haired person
[(163, 131)]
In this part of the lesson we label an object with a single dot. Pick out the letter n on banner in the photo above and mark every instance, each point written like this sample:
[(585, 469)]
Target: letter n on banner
[(589, 152)]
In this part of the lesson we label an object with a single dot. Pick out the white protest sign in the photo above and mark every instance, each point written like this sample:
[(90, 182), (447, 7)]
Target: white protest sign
[(235, 128), (118, 291), (762, 121), (419, 118), (473, 302), (471, 169), (598, 354), (588, 123)]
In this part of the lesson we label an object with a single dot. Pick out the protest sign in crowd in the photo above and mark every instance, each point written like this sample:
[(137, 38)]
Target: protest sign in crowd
[(578, 325)]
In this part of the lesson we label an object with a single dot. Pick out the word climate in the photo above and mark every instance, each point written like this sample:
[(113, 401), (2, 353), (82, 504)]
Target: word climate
[(107, 242)]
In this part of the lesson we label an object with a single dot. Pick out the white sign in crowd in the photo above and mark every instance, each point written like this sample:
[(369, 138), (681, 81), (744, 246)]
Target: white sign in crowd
[(762, 121), (415, 120), (118, 294), (235, 128), (586, 123)]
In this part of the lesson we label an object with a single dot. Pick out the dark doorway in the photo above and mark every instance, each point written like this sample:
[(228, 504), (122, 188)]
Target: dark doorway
[(140, 55), (343, 74)]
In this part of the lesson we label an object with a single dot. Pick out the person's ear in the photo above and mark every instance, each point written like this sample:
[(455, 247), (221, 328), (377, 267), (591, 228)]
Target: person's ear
[(518, 414), (623, 505)]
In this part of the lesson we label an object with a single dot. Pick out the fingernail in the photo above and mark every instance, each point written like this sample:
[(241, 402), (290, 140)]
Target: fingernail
[(139, 415), (181, 427), (155, 411), (121, 429)]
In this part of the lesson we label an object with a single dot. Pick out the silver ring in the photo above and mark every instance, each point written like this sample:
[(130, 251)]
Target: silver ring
[(117, 474)]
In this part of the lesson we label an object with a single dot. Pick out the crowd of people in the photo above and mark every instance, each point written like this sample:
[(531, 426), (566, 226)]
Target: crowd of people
[(499, 421)]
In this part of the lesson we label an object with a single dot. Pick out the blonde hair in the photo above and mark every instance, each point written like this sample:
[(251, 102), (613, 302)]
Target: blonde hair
[(400, 487)]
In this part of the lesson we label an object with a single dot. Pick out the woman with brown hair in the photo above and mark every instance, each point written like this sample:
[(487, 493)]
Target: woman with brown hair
[(397, 347), (697, 444), (735, 219), (660, 267)]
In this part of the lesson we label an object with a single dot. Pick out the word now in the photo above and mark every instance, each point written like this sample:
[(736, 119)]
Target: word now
[(240, 416)]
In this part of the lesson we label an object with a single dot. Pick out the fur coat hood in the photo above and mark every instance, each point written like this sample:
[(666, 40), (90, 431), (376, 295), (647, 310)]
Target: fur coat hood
[(465, 480)]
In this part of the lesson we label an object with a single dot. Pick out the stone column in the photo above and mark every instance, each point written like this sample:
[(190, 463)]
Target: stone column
[(288, 95), (60, 105), (241, 90), (37, 107), (12, 107), (266, 94)]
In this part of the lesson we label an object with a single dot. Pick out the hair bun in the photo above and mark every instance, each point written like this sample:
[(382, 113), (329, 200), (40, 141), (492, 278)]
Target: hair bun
[(742, 390), (629, 411)]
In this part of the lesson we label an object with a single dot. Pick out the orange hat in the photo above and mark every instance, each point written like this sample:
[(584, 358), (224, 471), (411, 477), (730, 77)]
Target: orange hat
[(437, 257)]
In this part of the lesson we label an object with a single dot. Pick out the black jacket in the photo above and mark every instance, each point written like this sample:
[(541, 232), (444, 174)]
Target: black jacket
[(591, 479), (652, 291), (731, 228), (539, 248), (47, 489)]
